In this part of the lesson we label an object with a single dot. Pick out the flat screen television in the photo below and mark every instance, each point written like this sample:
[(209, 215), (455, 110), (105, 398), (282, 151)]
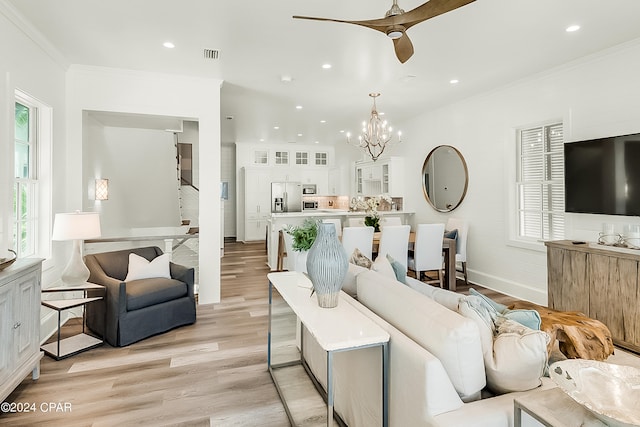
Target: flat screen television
[(602, 176)]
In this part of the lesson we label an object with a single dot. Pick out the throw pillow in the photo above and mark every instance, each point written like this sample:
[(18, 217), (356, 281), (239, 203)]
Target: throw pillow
[(515, 357), (528, 318), (383, 266), (398, 269), (349, 284), (140, 268), (358, 258)]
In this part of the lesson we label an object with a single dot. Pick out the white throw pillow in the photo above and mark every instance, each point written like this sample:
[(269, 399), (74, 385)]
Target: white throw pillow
[(515, 357), (383, 266), (140, 268)]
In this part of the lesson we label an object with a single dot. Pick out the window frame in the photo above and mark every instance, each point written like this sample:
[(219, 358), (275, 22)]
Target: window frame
[(549, 184)]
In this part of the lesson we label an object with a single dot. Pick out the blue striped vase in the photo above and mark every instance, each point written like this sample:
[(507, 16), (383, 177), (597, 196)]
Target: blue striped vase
[(327, 265)]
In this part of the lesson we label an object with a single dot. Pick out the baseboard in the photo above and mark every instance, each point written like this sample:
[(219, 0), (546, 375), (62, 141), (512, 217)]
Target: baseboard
[(514, 289)]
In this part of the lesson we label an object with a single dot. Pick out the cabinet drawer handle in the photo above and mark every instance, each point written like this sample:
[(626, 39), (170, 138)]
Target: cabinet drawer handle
[(17, 325)]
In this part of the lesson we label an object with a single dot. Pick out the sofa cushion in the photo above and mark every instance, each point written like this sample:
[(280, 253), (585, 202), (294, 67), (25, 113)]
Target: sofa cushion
[(383, 266), (141, 268), (447, 335), (349, 281), (528, 318), (146, 292), (515, 357), (447, 298), (360, 259)]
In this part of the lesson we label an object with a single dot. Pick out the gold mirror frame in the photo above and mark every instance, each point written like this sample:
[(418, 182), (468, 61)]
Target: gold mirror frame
[(429, 186)]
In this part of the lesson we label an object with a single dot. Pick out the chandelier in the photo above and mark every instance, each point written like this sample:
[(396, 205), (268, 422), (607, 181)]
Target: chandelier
[(376, 135)]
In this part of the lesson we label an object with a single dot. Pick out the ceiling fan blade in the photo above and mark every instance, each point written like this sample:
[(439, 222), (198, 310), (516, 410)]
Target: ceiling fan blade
[(404, 48), (376, 24), (428, 10)]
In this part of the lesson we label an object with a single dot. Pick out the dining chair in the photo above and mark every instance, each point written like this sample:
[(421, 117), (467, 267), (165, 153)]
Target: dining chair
[(427, 252), (390, 221), (358, 237), (337, 222), (288, 255), (355, 222), (461, 244), (394, 241)]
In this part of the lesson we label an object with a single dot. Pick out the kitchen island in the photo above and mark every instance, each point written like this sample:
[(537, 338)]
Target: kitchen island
[(280, 220)]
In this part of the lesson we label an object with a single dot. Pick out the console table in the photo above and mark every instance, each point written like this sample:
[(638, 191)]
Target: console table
[(600, 281), (342, 328)]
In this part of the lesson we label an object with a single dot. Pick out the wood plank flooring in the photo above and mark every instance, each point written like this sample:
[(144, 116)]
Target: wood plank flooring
[(212, 373)]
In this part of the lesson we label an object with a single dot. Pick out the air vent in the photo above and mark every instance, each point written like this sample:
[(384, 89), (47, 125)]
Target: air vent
[(211, 54)]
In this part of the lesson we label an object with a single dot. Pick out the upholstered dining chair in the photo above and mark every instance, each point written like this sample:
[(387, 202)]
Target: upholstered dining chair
[(358, 237), (461, 244), (394, 241), (337, 222), (427, 252)]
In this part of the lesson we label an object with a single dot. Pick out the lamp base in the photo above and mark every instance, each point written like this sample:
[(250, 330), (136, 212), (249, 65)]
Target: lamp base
[(76, 272)]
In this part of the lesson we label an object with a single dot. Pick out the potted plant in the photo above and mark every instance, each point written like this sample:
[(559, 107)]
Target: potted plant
[(370, 206), (303, 237)]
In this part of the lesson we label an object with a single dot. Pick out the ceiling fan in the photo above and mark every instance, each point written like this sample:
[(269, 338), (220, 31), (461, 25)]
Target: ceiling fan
[(396, 22)]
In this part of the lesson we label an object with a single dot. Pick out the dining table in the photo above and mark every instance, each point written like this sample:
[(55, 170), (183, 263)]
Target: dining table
[(448, 250)]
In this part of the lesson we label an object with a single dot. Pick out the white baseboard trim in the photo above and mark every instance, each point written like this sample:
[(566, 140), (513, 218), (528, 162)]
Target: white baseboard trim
[(514, 289)]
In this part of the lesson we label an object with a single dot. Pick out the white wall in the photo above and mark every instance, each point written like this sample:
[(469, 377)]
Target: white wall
[(125, 91), (596, 96), (140, 165)]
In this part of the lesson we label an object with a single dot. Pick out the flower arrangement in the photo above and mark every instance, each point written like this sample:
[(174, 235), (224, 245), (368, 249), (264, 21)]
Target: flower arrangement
[(370, 206)]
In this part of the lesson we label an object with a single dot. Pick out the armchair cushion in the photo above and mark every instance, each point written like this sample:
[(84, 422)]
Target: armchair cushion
[(146, 292), (141, 268)]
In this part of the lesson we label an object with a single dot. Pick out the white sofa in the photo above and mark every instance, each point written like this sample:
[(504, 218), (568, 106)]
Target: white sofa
[(437, 371)]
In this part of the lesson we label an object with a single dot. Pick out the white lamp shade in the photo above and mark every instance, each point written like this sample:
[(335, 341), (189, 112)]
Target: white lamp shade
[(76, 225)]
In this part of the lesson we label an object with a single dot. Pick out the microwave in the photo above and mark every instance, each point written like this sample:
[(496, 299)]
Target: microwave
[(309, 205), (309, 189)]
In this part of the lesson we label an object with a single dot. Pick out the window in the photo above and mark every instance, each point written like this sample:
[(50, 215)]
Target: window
[(302, 158), (321, 159), (261, 157), (282, 157), (25, 186), (540, 183)]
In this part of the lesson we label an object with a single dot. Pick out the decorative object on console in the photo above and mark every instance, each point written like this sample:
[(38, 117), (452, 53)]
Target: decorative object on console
[(327, 265), (6, 262), (76, 226), (631, 236), (376, 136), (611, 392)]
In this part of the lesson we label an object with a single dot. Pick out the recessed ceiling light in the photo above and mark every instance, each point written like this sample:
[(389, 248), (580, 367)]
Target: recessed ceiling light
[(572, 28), (298, 107), (317, 142), (276, 127), (168, 45), (454, 81), (323, 121), (326, 66), (341, 130), (299, 134), (261, 139)]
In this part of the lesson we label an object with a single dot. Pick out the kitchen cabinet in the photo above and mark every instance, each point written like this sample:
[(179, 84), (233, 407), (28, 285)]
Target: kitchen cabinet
[(385, 176), (257, 202), (19, 324)]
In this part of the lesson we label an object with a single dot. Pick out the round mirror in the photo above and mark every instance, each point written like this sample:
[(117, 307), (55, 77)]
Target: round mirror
[(444, 178)]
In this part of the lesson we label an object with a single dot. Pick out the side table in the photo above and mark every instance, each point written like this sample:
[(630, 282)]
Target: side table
[(67, 347), (553, 408)]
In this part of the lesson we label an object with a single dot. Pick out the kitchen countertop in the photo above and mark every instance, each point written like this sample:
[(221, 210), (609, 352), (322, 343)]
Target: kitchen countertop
[(333, 212)]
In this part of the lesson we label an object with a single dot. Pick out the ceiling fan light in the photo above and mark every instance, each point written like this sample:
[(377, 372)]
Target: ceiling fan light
[(395, 32)]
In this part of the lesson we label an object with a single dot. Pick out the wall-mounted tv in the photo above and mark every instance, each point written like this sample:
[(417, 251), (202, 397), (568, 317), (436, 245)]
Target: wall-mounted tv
[(602, 176)]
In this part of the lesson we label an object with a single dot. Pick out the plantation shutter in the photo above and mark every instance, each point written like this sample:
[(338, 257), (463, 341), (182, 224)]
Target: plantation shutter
[(540, 183)]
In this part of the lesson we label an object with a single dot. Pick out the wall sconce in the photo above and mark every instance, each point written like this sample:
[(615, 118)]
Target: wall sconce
[(102, 189)]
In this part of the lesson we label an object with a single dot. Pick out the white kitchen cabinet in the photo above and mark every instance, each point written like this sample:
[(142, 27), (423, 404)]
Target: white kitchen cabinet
[(257, 202), (19, 324), (385, 176)]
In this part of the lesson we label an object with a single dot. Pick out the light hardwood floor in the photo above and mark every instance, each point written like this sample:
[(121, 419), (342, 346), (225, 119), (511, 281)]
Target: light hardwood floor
[(212, 373)]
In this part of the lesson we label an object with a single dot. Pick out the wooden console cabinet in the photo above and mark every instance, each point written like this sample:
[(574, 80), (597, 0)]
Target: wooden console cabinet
[(19, 324), (599, 281)]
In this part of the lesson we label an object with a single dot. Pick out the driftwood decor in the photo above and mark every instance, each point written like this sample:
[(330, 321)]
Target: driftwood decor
[(579, 336)]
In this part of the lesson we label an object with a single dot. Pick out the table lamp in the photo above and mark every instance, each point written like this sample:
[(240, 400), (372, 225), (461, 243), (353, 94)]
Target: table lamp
[(76, 226)]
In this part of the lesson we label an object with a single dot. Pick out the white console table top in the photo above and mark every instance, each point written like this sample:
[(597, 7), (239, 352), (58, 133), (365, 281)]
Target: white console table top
[(342, 327)]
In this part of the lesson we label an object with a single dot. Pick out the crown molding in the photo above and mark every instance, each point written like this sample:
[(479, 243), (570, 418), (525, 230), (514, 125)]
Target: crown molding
[(29, 30)]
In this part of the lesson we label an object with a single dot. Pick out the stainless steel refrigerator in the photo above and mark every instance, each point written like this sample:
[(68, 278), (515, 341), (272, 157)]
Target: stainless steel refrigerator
[(286, 197)]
